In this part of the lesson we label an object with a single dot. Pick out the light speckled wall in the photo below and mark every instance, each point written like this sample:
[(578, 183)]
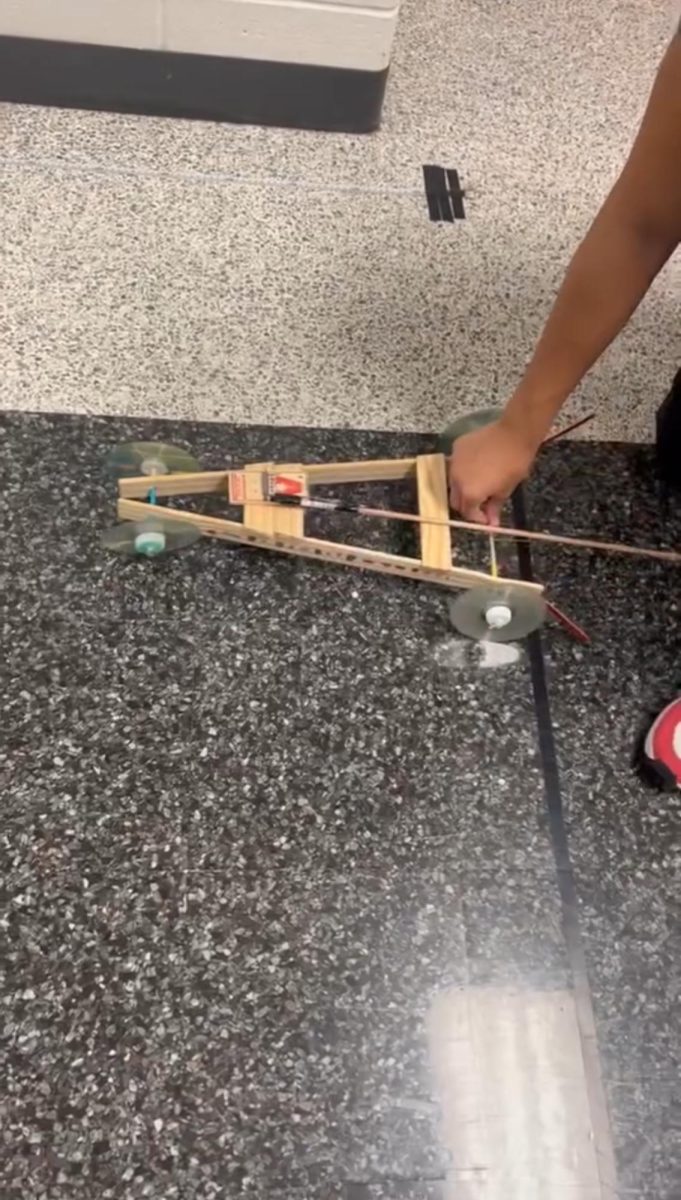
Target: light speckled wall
[(173, 269)]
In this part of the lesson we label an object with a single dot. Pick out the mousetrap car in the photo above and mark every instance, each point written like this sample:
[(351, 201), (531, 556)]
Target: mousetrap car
[(274, 498)]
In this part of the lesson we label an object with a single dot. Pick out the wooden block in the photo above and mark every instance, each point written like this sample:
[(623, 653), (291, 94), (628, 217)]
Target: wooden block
[(273, 518), (436, 539)]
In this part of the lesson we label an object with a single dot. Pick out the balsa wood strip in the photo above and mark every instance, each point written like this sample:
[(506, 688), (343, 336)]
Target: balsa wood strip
[(379, 470), (195, 483), (433, 501)]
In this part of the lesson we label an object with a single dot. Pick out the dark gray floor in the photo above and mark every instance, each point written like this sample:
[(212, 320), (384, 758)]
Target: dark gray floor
[(625, 842), (258, 813)]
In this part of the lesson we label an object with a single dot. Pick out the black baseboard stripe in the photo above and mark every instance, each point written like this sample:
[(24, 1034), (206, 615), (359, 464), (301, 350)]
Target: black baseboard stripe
[(598, 1105), (203, 87)]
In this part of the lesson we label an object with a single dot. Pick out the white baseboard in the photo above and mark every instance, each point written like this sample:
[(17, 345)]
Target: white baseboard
[(313, 32), (321, 34), (134, 24)]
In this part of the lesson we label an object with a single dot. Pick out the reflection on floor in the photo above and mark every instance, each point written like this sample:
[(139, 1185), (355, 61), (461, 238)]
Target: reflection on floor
[(281, 910)]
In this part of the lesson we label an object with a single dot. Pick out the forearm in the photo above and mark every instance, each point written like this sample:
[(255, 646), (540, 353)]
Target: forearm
[(607, 278), (635, 232)]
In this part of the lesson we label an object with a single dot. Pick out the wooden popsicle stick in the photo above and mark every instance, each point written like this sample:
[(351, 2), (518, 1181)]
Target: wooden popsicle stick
[(196, 483), (433, 500)]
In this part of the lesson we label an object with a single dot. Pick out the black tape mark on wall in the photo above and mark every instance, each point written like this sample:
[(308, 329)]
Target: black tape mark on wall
[(444, 194), (598, 1106)]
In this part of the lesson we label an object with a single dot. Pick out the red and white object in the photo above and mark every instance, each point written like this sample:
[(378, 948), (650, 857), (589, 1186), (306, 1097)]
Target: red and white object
[(662, 747), (256, 486), (286, 485)]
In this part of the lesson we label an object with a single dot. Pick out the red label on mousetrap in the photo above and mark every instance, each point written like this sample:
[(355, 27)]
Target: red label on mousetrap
[(286, 485)]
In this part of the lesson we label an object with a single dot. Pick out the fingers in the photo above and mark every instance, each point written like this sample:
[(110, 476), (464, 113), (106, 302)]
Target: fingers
[(493, 508), (483, 467), (475, 512), (472, 507), (481, 510)]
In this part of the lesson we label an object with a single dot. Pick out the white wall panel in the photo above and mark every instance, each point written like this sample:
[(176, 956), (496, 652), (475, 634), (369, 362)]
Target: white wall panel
[(320, 32), (332, 35), (130, 23)]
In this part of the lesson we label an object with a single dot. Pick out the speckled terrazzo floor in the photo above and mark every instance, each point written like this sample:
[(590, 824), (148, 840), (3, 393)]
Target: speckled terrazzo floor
[(260, 818), (274, 851), (180, 269)]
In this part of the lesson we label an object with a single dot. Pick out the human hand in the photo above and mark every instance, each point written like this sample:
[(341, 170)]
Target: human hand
[(485, 467)]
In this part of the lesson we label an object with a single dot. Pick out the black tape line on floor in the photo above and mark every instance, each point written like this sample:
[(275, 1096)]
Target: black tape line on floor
[(444, 194), (456, 194), (436, 193), (574, 944)]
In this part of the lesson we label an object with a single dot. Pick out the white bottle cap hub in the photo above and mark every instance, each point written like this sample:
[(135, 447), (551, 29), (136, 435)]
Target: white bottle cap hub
[(498, 616), (153, 466), (150, 542)]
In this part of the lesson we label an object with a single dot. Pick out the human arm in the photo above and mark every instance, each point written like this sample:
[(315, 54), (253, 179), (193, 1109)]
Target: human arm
[(635, 232)]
